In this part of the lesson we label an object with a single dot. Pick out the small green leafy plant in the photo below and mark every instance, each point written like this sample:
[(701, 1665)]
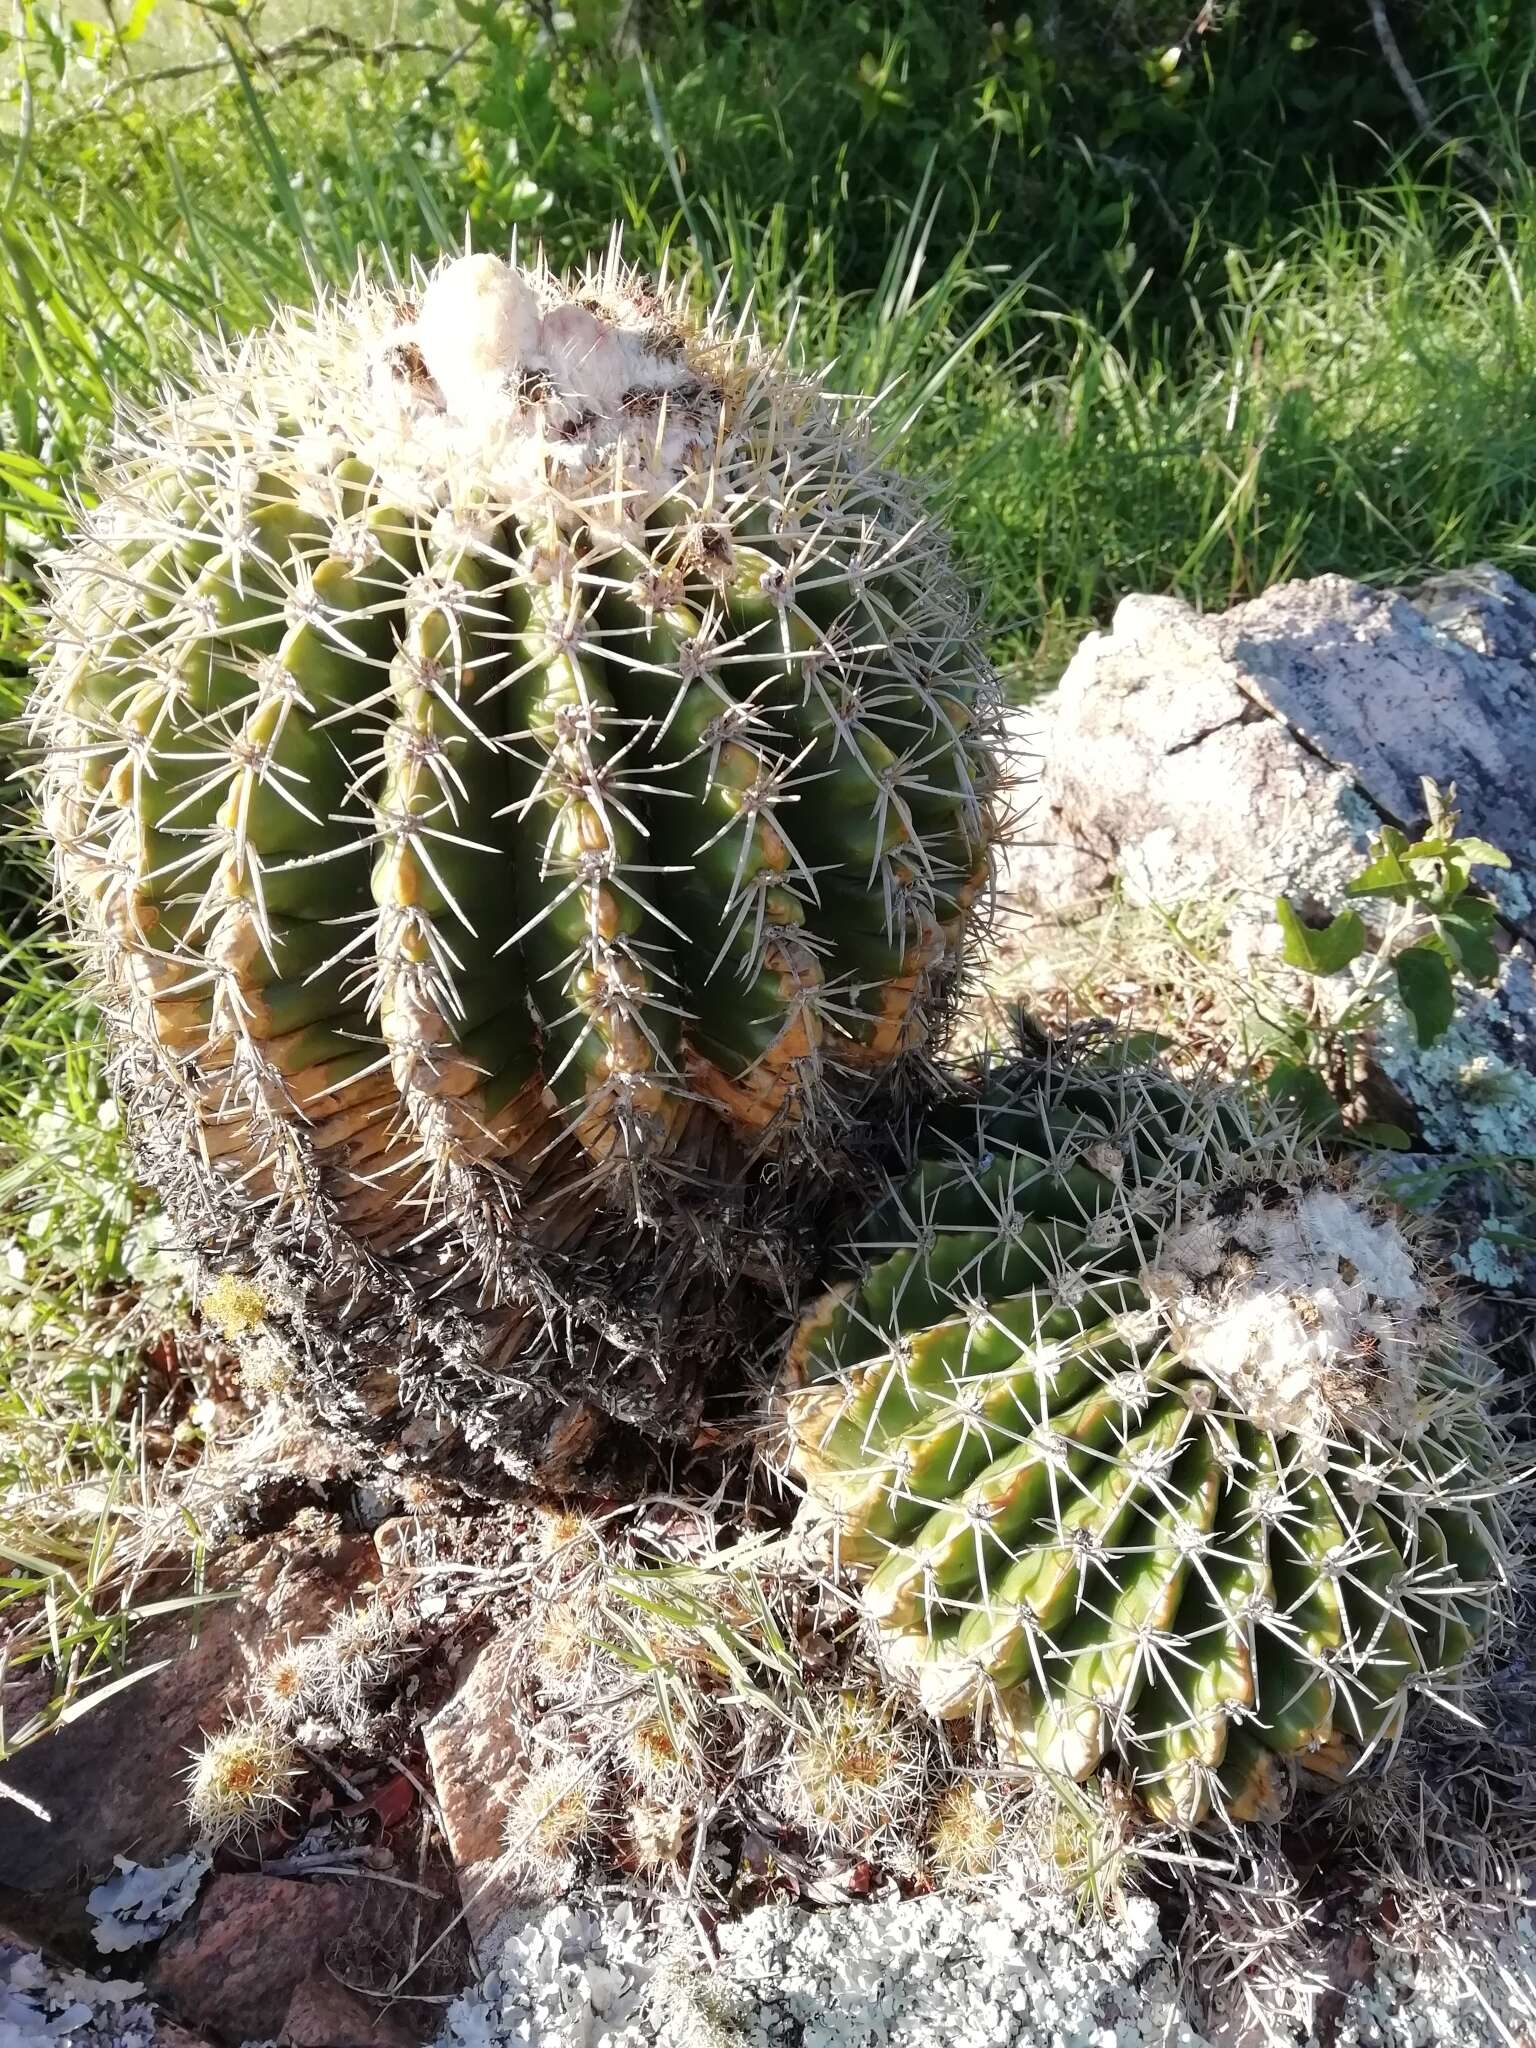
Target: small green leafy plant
[(1439, 931)]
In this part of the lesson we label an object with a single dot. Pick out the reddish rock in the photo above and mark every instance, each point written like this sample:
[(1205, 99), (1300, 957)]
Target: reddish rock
[(111, 1780), (477, 1761), (325, 2014), (237, 1962), (255, 1962)]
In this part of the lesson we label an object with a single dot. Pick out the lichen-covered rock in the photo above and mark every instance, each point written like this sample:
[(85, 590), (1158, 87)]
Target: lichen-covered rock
[(47, 2003), (1018, 1968), (1024, 1973), (1229, 759)]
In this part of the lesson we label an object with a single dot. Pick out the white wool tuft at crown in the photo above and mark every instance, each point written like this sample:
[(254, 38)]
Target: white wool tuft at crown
[(504, 383), (478, 322), (1303, 1305)]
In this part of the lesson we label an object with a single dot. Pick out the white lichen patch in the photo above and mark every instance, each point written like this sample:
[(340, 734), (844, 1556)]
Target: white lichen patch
[(44, 2007), (141, 1902), (1302, 1304), (1023, 1973), (268, 1368), (1011, 1966), (1472, 1989)]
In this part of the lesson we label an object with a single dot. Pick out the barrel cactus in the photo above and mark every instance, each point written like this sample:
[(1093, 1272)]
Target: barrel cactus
[(1153, 1440), (518, 763)]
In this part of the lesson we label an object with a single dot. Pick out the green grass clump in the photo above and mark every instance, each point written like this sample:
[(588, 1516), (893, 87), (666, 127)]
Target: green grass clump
[(87, 1286), (1360, 404)]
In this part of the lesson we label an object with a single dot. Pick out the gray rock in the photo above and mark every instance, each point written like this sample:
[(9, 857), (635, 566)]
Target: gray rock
[(1253, 749), (1238, 757)]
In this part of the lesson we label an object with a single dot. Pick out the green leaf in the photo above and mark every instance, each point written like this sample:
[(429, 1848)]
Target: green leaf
[(1135, 1049), (1385, 876), (1424, 984), (1481, 911), (1453, 879), (1466, 938), (1302, 1094), (1320, 952), (87, 1701), (1388, 1137), (1477, 853)]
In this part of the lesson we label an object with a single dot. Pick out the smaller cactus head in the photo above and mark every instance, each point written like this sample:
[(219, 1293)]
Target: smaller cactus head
[(567, 1540), (557, 1813), (238, 1782), (563, 1642), (354, 1660), (660, 1749), (1154, 1443), (289, 1683), (854, 1767), (970, 1834)]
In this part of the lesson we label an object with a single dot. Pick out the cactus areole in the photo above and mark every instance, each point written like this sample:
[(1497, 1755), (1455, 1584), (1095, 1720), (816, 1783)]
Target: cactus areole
[(519, 764), (1153, 1443)]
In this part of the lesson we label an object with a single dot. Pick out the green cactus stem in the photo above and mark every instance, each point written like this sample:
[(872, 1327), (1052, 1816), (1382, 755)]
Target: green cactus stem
[(515, 759), (1152, 1439)]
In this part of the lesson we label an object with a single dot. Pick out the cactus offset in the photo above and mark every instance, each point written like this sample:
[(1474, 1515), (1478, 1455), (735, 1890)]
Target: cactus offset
[(1150, 1438), (514, 755)]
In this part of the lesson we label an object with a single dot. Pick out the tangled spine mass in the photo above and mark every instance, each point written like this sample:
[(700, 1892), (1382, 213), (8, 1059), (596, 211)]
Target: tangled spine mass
[(516, 759), (1152, 1441)]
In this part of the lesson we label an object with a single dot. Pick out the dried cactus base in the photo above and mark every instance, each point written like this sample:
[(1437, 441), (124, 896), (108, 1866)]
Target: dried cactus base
[(553, 1383)]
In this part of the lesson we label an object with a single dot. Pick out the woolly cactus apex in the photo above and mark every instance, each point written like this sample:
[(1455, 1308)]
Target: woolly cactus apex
[(1154, 1441), (516, 759), (238, 1783)]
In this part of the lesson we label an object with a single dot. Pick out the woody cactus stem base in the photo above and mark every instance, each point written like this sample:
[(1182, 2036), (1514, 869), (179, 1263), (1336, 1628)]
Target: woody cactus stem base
[(1153, 1442), (520, 765)]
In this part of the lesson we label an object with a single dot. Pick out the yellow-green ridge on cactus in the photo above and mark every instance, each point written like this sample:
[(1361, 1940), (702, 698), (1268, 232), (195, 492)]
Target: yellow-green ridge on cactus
[(512, 751), (1153, 1440)]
